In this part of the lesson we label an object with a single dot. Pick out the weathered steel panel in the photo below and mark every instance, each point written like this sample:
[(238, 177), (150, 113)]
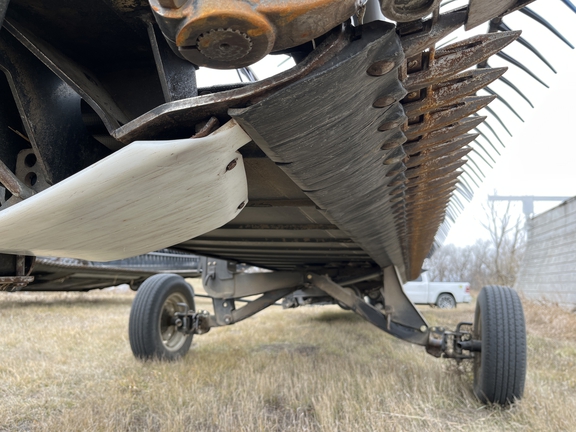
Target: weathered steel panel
[(329, 138)]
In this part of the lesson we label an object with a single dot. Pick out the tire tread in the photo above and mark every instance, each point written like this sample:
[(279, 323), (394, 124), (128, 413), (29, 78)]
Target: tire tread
[(502, 371), (143, 318)]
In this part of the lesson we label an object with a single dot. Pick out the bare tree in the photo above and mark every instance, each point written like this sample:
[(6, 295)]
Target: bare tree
[(469, 263), (493, 261), (508, 238)]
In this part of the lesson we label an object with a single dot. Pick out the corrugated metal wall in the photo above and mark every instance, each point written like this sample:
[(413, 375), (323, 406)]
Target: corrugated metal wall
[(548, 271)]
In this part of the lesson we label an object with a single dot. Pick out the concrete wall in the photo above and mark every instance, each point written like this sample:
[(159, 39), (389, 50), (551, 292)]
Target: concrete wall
[(548, 271)]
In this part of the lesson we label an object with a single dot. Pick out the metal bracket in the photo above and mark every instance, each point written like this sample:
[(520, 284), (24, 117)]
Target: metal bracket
[(220, 280), (448, 344), (400, 309), (226, 312), (387, 322), (177, 76), (223, 309), (189, 322)]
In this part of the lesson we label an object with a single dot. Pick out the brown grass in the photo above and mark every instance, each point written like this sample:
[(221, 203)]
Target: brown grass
[(66, 365)]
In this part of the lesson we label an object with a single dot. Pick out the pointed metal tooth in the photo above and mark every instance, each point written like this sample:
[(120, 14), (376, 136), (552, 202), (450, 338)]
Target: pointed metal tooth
[(497, 117), (448, 116), (418, 175), (449, 158), (428, 202), (422, 221), (442, 135), (422, 208), (416, 43), (445, 165), (424, 225), (439, 180), (504, 101), (516, 63), (529, 12), (427, 211), (521, 40), (516, 89), (454, 155), (441, 150), (458, 57), (431, 176), (570, 5), (399, 179), (451, 145), (447, 92)]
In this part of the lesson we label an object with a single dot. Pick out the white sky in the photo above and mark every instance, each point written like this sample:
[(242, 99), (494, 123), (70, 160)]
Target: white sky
[(540, 157)]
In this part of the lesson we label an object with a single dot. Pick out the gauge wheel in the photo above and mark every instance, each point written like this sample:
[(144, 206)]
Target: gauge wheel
[(445, 301), (500, 366), (152, 330)]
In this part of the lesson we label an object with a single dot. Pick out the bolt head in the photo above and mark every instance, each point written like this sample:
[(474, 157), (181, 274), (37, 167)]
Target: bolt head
[(309, 277), (232, 165), (383, 102), (380, 68), (423, 328), (391, 124)]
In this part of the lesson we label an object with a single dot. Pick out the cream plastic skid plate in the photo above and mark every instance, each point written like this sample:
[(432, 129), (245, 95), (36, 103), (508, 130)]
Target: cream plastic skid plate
[(146, 196)]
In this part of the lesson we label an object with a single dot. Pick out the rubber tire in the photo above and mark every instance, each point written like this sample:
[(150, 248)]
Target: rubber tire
[(446, 295), (144, 328), (500, 368)]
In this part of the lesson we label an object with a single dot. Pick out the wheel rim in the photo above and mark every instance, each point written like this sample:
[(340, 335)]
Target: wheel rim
[(445, 302), (171, 338)]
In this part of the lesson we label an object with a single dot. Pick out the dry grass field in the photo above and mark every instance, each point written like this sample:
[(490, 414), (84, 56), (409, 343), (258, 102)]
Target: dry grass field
[(66, 365)]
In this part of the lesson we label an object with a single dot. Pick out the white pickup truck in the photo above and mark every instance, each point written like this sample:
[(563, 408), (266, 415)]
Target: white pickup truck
[(445, 295)]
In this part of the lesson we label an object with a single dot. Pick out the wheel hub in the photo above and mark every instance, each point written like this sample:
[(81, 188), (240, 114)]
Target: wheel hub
[(224, 44), (169, 334)]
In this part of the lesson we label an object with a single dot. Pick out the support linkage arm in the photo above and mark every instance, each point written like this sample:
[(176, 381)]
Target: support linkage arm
[(399, 317)]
